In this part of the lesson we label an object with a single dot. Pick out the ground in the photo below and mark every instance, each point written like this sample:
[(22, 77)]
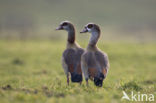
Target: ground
[(31, 72)]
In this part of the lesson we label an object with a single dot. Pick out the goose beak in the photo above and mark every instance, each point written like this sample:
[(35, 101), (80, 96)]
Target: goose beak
[(59, 28), (84, 30)]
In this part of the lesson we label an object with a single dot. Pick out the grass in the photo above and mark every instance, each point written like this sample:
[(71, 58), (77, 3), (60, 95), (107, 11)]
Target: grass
[(31, 72)]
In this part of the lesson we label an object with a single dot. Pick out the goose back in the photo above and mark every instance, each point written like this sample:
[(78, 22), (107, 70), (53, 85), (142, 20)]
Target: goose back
[(97, 65), (72, 59)]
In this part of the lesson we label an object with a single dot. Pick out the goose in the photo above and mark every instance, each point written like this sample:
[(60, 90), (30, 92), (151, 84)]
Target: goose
[(71, 57), (94, 62)]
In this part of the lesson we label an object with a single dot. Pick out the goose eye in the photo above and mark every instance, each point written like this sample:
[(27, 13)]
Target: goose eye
[(64, 24), (90, 26)]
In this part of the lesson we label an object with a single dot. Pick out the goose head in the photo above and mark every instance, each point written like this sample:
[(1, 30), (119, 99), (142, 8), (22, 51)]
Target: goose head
[(66, 25), (91, 27)]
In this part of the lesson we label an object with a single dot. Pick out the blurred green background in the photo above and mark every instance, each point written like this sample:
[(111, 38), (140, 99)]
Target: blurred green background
[(31, 49), (120, 20)]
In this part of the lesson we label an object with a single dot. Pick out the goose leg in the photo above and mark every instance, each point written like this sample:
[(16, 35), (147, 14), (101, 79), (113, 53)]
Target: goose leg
[(80, 83), (68, 79), (84, 70), (87, 82)]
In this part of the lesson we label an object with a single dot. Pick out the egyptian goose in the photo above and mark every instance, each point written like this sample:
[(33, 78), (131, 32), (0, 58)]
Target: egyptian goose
[(94, 62), (71, 58)]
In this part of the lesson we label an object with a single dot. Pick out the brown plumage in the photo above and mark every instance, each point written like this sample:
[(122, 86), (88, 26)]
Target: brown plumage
[(71, 58), (94, 62)]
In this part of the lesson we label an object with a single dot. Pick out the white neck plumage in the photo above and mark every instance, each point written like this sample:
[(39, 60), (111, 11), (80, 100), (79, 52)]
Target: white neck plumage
[(94, 38)]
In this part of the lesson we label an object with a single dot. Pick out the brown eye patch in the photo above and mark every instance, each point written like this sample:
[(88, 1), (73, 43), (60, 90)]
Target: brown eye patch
[(64, 24), (90, 26)]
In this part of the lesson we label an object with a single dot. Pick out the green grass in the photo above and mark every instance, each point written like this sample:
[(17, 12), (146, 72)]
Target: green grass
[(31, 72)]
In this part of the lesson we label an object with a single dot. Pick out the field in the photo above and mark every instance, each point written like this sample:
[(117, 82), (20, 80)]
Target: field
[(31, 72)]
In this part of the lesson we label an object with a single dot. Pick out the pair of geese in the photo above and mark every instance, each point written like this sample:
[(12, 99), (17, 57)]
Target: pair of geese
[(92, 62)]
